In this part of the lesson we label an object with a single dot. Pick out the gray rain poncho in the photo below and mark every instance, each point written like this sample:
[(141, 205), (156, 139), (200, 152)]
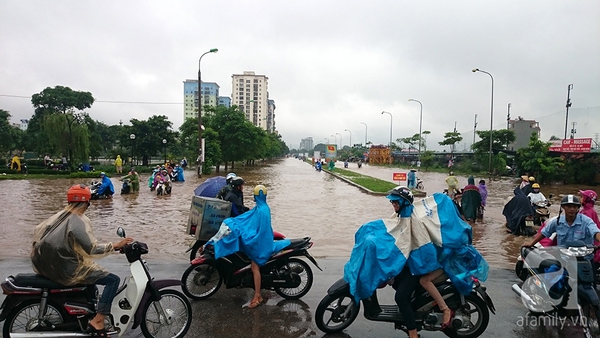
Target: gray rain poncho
[(64, 247)]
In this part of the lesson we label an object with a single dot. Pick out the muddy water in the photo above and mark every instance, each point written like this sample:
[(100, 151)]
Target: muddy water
[(303, 203)]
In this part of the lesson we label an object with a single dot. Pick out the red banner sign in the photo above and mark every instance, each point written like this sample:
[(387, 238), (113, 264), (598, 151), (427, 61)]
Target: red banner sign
[(576, 145), (399, 177)]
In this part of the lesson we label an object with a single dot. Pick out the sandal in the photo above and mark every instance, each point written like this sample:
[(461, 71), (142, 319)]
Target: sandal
[(449, 322), (94, 332)]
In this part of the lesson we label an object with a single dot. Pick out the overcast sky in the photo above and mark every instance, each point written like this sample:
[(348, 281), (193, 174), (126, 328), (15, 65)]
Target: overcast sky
[(331, 64)]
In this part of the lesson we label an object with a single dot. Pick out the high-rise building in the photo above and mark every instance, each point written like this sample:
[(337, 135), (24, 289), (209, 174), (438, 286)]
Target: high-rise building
[(209, 97), (250, 94), (306, 144), (523, 130), (225, 101), (271, 116)]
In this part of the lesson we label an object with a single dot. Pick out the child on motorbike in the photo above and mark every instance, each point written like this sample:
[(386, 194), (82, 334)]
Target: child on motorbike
[(70, 262)]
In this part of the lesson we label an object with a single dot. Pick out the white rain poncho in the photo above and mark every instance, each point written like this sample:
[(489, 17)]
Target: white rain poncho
[(64, 247)]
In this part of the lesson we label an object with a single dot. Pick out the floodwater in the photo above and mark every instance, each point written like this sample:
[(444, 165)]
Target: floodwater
[(303, 203)]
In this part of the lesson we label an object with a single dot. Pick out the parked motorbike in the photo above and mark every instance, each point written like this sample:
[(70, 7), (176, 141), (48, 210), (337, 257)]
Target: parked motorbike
[(126, 187), (194, 250), (544, 293), (290, 277), (38, 307), (94, 187), (338, 309)]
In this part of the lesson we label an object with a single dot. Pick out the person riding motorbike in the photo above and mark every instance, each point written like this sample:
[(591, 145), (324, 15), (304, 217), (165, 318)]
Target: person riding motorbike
[(161, 176), (516, 211), (227, 187), (107, 188), (236, 196), (536, 196), (452, 183), (528, 188), (134, 177), (570, 226), (588, 199), (63, 250)]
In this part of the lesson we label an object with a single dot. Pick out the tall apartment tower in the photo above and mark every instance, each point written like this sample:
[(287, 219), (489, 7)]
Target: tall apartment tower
[(523, 130), (209, 97), (250, 93)]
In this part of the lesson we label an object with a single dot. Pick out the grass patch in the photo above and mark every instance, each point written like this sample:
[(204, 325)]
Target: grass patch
[(371, 183)]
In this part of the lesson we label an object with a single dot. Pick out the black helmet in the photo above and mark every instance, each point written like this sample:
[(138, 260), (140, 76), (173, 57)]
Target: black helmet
[(401, 192), (570, 199), (237, 181)]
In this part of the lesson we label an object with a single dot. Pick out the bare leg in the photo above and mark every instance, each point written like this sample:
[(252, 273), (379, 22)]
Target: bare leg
[(427, 283), (413, 333), (257, 299)]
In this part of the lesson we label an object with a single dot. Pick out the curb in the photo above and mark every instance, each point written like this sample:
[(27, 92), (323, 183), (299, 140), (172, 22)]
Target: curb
[(417, 193)]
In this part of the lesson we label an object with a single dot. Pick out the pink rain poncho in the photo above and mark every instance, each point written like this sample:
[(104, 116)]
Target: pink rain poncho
[(64, 247)]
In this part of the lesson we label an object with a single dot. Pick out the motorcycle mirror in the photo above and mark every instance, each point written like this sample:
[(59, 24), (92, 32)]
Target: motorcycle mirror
[(121, 232)]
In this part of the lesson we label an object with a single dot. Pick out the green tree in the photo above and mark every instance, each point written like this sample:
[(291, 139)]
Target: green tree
[(424, 139), (10, 137), (427, 159), (70, 105), (450, 139), (148, 136), (500, 140), (535, 160)]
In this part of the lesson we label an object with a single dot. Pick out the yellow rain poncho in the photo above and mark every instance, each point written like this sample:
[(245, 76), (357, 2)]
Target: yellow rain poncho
[(64, 247)]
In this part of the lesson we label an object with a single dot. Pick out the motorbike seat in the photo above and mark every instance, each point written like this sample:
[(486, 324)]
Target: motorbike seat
[(298, 242), (33, 280)]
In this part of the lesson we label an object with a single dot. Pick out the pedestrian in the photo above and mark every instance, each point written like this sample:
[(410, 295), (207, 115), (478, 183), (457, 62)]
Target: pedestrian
[(64, 162), (452, 183), (331, 164), (119, 164), (183, 163), (483, 192), (411, 179), (419, 164), (471, 200), (47, 161)]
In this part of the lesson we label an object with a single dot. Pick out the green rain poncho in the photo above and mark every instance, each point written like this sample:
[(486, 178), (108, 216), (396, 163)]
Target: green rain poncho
[(64, 247)]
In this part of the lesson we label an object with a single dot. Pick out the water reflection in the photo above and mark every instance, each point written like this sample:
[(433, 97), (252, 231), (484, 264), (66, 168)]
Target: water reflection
[(303, 202)]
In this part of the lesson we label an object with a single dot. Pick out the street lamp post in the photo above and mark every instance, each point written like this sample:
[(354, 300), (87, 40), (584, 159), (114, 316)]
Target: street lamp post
[(491, 116), (350, 136), (132, 138), (327, 140), (165, 148), (569, 87), (341, 144), (335, 139), (365, 133), (420, 124), (200, 127), (391, 123)]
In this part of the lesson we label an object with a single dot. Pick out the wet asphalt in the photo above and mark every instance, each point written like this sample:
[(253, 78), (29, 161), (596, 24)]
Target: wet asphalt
[(226, 315)]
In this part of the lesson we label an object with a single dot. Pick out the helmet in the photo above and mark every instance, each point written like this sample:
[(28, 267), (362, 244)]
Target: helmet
[(589, 194), (400, 192), (229, 177), (535, 186), (570, 199), (259, 188), (531, 179), (79, 193), (237, 181), (102, 173)]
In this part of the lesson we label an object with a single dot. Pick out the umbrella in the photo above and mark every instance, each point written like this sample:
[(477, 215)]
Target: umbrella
[(210, 187)]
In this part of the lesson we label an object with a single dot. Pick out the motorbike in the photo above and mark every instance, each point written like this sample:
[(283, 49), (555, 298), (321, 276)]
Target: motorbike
[(542, 213), (359, 164), (289, 276), (38, 307), (338, 309), (163, 188), (94, 187), (126, 187), (194, 250), (419, 185), (551, 279)]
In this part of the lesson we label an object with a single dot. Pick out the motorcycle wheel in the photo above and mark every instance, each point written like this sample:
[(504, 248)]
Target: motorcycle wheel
[(24, 317), (159, 191), (335, 309), (195, 248), (201, 281), (178, 310), (474, 306), (590, 321), (305, 273)]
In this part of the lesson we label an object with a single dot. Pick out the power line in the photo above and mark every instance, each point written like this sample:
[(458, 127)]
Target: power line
[(102, 101)]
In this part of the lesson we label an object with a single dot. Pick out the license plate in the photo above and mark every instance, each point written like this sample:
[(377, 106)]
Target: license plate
[(529, 223)]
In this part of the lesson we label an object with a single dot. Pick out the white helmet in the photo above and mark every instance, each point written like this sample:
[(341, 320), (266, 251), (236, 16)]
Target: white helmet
[(229, 177)]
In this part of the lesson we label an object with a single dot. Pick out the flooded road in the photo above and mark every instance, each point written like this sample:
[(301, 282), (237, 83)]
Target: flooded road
[(303, 203)]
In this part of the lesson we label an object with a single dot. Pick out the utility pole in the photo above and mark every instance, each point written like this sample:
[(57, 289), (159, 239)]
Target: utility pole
[(573, 130), (474, 129), (569, 87), (508, 117)]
